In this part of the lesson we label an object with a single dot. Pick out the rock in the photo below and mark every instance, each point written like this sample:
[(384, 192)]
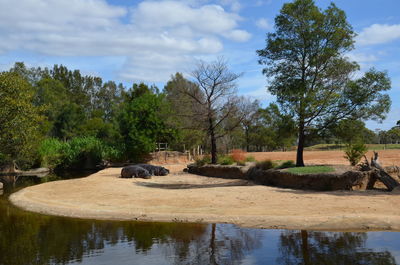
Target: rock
[(350, 180), (135, 171), (230, 172)]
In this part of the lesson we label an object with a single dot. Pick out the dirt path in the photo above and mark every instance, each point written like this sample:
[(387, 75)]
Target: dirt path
[(191, 198)]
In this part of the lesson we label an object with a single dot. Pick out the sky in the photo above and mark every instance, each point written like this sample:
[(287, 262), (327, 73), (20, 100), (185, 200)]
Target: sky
[(148, 41)]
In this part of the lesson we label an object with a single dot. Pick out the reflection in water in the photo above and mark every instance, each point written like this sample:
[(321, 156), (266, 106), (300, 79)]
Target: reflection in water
[(312, 248), (29, 238)]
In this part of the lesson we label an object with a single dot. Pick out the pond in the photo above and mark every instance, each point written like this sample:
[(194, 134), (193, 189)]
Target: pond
[(29, 238)]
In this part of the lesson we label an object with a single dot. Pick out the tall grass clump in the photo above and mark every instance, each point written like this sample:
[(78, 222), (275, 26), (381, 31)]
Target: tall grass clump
[(51, 152), (265, 165), (77, 153)]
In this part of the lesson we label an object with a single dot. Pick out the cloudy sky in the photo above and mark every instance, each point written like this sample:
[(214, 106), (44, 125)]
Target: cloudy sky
[(131, 41)]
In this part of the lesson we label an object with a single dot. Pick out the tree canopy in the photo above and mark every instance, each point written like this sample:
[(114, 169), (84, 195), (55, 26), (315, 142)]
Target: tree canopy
[(19, 119), (310, 74)]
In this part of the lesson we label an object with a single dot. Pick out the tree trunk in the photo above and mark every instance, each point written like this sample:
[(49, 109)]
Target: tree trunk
[(247, 141), (300, 146), (213, 149), (213, 139), (304, 247), (212, 245)]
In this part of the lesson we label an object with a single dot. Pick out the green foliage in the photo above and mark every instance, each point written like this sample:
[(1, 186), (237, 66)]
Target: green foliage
[(250, 159), (286, 164), (141, 122), (76, 153), (350, 131), (354, 152), (206, 159), (311, 170), (51, 152), (266, 164), (225, 160), (19, 118)]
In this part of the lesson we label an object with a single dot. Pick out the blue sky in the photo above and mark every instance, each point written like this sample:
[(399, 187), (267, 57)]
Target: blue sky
[(133, 41)]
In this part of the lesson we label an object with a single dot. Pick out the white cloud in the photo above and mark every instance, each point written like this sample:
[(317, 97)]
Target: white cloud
[(362, 57), (263, 24), (238, 35), (171, 31), (378, 34)]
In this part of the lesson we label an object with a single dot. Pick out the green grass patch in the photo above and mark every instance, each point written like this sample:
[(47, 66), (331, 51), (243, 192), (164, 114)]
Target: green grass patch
[(310, 170)]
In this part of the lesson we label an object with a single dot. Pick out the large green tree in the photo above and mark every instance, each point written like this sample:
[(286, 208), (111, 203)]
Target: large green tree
[(141, 123), (19, 118), (310, 74)]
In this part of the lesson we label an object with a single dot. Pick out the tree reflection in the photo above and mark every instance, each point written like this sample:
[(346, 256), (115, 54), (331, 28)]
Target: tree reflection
[(313, 248), (220, 245), (28, 238)]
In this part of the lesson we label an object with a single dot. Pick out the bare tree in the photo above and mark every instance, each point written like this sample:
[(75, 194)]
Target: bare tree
[(250, 111), (216, 99)]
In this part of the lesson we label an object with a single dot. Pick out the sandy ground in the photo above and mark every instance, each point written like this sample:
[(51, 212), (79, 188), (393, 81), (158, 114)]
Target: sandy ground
[(191, 198), (386, 157)]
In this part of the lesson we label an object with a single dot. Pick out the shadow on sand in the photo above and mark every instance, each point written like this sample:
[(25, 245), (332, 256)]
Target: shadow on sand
[(177, 186)]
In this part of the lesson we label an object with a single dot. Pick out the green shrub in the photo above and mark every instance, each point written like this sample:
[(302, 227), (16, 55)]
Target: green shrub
[(354, 152), (266, 164), (250, 159), (51, 152), (286, 164), (75, 153), (225, 160), (203, 161)]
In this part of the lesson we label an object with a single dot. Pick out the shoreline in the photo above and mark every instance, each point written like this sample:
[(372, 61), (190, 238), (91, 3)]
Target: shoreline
[(185, 197)]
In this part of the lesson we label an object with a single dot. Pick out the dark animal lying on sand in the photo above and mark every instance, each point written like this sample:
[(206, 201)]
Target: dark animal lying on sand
[(135, 171), (155, 170)]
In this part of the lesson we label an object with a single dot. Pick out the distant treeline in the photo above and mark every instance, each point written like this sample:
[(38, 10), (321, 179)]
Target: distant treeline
[(60, 118)]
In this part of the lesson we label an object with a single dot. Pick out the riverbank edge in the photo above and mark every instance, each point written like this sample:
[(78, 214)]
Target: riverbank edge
[(357, 222)]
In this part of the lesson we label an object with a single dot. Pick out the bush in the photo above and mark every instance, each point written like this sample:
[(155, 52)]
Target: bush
[(238, 155), (286, 164), (75, 153), (203, 161), (51, 152), (266, 164), (250, 159), (354, 152), (225, 160)]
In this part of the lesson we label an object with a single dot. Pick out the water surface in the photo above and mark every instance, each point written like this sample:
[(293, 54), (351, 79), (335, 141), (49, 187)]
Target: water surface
[(29, 238)]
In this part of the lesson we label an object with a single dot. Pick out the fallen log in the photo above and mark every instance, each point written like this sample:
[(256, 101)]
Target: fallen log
[(379, 173)]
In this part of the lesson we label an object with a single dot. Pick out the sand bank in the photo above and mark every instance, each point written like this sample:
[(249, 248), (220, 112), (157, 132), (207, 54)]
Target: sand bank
[(182, 197)]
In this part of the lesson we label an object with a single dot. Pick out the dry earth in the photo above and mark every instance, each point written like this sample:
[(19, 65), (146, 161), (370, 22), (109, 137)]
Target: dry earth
[(191, 198), (386, 157)]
